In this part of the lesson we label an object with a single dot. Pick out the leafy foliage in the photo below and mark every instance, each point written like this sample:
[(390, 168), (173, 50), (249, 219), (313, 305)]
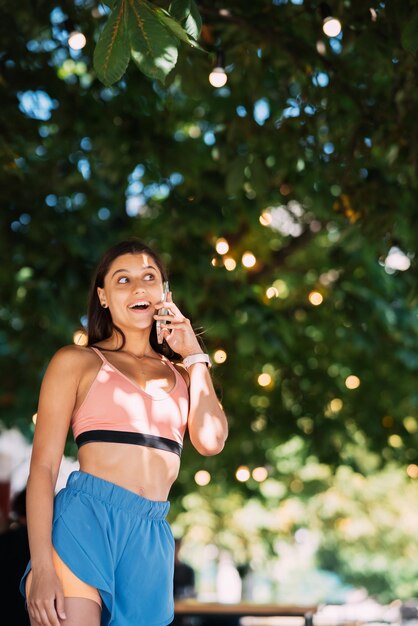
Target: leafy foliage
[(147, 33)]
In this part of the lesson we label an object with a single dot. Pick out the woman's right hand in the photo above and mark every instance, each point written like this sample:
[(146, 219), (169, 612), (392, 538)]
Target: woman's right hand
[(46, 598)]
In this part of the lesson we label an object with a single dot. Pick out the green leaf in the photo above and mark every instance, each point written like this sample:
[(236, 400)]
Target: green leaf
[(193, 23), (111, 55), (153, 47), (187, 13), (176, 28), (409, 37), (180, 9)]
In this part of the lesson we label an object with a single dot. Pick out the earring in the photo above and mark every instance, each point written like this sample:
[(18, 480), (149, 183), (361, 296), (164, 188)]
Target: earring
[(104, 305)]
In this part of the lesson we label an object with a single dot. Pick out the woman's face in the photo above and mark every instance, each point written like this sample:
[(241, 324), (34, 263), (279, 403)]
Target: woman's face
[(133, 281)]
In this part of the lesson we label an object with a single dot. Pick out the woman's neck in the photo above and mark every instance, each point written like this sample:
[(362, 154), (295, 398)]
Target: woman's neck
[(135, 343)]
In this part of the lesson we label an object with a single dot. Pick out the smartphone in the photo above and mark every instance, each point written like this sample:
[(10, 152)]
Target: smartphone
[(162, 311)]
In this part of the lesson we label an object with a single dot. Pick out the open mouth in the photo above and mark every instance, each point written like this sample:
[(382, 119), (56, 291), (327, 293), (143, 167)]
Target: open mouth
[(140, 306)]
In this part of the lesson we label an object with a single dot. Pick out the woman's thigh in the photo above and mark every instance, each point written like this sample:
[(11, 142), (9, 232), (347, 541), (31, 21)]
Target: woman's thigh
[(79, 612)]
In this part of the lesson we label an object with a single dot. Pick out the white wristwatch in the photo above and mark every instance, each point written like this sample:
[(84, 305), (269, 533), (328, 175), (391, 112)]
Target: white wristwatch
[(201, 357)]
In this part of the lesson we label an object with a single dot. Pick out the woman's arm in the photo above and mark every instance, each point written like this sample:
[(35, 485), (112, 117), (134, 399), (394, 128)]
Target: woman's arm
[(56, 403), (208, 426)]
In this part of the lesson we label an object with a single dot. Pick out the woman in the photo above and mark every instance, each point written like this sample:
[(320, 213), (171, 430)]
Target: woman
[(102, 552)]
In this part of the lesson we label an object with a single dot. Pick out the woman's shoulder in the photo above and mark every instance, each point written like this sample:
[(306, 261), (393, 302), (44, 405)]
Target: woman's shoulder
[(73, 356)]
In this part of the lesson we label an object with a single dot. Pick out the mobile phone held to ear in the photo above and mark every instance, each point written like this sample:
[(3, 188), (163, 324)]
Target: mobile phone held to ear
[(163, 311)]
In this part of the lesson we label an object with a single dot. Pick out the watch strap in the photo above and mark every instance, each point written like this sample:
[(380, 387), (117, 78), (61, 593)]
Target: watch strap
[(201, 357)]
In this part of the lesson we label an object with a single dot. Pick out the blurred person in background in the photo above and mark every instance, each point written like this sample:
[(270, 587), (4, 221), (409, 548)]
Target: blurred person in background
[(14, 551)]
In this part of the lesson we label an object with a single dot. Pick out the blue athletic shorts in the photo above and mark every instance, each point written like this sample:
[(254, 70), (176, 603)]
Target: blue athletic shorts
[(120, 543)]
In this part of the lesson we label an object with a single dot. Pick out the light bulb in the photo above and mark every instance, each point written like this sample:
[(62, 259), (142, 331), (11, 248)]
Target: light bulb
[(218, 77), (248, 259), (222, 246), (220, 356), (229, 263), (331, 26), (202, 478), (242, 474), (76, 40)]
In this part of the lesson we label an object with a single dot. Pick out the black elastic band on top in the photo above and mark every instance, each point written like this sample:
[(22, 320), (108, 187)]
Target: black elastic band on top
[(139, 439)]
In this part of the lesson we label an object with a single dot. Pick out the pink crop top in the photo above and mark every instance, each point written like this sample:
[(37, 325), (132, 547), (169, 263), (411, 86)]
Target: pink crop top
[(117, 410)]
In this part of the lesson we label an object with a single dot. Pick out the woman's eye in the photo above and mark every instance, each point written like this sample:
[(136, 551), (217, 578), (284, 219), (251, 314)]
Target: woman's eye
[(123, 280), (152, 276)]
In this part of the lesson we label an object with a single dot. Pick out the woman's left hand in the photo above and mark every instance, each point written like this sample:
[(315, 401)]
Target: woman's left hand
[(178, 333)]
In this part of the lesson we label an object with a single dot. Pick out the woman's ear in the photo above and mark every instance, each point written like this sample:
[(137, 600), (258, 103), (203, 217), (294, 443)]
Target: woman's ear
[(102, 297)]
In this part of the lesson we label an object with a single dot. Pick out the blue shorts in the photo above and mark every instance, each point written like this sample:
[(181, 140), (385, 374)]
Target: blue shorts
[(121, 544)]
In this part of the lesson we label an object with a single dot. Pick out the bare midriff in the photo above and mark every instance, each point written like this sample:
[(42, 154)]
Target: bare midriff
[(146, 471)]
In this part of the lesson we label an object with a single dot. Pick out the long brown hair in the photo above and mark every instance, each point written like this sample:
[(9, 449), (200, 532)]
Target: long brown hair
[(100, 325)]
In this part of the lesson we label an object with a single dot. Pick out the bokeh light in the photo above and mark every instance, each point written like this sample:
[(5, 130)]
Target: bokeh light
[(352, 382), (395, 441), (76, 40), (412, 470), (265, 218), (222, 246), (264, 380), (272, 292), (220, 356), (202, 478), (218, 77), (242, 474), (260, 474), (315, 298), (80, 337), (248, 259), (230, 263), (331, 26), (336, 405)]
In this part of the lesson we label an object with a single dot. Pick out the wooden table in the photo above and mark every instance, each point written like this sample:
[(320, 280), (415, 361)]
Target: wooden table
[(242, 609)]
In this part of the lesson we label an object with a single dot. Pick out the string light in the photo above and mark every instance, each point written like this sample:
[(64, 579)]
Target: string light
[(260, 474), (315, 298), (248, 259), (230, 263), (336, 405), (202, 478), (242, 474), (265, 218), (264, 380), (330, 24), (220, 356), (272, 292), (352, 382), (218, 77), (76, 40), (80, 338), (222, 246)]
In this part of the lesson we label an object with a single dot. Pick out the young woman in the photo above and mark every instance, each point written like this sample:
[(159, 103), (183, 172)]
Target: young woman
[(102, 551)]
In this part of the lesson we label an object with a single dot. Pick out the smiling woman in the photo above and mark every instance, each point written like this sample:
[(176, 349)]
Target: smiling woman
[(129, 401)]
